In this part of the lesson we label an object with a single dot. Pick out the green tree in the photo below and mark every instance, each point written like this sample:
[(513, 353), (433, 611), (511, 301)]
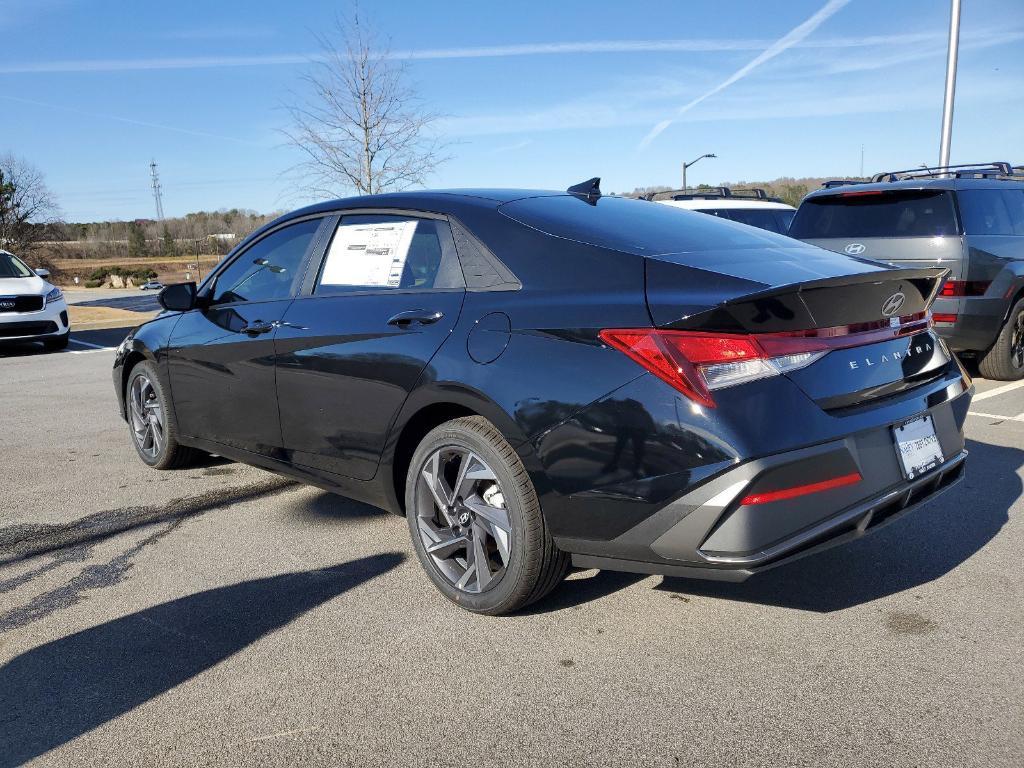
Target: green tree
[(136, 241), (169, 248)]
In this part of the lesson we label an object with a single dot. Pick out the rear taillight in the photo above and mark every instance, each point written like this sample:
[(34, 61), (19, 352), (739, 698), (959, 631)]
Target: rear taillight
[(944, 317), (698, 363), (964, 288)]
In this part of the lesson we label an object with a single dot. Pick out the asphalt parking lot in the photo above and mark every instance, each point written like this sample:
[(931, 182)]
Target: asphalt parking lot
[(238, 619)]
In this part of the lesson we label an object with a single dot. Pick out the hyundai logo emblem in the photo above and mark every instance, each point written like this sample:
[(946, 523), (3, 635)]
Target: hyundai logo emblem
[(892, 305), (855, 249)]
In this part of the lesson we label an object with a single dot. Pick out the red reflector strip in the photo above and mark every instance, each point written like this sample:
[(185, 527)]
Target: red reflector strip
[(801, 490), (943, 317)]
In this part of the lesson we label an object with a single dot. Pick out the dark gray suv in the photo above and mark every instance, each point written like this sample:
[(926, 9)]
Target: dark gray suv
[(967, 218)]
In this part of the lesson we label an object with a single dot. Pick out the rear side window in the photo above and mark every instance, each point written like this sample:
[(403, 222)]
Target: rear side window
[(908, 213), (635, 226), (992, 211), (372, 253)]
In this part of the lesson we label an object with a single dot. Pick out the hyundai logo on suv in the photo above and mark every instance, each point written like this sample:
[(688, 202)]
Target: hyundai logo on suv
[(892, 305), (855, 249)]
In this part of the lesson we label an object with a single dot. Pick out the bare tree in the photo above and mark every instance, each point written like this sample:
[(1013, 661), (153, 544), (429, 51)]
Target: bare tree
[(362, 126), (27, 207)]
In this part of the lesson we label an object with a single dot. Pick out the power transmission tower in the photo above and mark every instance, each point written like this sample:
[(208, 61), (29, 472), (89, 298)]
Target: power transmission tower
[(156, 191)]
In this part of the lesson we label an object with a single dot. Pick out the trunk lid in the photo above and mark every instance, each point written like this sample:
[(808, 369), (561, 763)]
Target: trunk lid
[(878, 315)]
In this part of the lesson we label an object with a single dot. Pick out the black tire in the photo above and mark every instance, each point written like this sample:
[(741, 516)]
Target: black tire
[(1005, 361), (535, 565), (171, 454), (60, 342)]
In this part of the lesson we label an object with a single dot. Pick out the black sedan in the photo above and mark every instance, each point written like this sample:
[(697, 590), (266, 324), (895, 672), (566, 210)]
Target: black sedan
[(543, 379)]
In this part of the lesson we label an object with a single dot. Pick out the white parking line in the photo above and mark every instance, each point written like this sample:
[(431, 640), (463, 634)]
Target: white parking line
[(997, 416), (89, 344), (998, 390)]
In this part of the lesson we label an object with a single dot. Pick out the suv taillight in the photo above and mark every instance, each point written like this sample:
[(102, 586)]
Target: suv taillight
[(697, 363), (964, 288)]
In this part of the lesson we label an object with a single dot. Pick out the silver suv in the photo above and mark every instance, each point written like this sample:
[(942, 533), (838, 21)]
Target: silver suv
[(969, 218)]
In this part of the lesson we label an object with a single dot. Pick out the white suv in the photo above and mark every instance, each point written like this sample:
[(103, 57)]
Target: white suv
[(30, 308), (747, 206)]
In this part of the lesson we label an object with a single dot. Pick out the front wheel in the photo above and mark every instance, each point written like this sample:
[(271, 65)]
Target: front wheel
[(151, 423), (1005, 361), (59, 342), (476, 522)]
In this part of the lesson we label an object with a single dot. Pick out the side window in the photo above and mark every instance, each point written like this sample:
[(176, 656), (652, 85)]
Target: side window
[(269, 269), (1014, 199), (372, 253), (984, 212)]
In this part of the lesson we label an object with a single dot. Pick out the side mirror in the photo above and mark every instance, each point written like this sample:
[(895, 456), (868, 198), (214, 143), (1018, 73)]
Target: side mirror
[(180, 297), (44, 273)]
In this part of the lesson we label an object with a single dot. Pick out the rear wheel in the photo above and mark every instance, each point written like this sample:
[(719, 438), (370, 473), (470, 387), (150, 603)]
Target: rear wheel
[(1005, 361), (475, 520), (151, 423)]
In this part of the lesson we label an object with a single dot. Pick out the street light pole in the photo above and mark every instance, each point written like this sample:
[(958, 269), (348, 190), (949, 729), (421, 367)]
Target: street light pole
[(947, 106), (687, 165)]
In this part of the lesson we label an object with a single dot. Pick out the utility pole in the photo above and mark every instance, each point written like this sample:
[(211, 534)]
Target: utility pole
[(156, 191), (947, 106), (687, 165)]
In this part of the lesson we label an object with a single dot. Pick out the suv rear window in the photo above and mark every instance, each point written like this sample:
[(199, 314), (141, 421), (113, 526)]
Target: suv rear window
[(636, 226), (906, 213), (772, 219)]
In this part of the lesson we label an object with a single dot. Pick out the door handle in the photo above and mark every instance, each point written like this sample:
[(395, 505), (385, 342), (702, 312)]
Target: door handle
[(418, 316), (255, 329)]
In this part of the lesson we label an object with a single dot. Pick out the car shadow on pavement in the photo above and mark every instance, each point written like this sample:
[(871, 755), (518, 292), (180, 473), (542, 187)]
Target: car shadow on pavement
[(332, 507), (67, 687), (926, 544)]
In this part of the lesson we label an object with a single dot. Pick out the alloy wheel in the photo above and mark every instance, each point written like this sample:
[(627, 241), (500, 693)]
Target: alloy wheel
[(146, 416), (1017, 342), (462, 519)]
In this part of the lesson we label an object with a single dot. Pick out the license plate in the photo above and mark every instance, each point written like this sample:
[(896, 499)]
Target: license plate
[(918, 446)]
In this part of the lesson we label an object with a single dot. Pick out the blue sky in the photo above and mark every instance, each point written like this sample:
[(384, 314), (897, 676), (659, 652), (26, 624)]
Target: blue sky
[(536, 94)]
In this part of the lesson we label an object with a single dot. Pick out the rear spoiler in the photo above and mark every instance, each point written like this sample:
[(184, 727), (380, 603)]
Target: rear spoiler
[(823, 303)]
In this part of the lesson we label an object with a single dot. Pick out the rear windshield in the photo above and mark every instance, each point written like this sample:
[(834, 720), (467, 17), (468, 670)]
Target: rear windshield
[(772, 219), (12, 266), (909, 213), (635, 226)]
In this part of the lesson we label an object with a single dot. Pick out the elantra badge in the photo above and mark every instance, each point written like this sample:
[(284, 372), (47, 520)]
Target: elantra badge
[(892, 305), (855, 249)]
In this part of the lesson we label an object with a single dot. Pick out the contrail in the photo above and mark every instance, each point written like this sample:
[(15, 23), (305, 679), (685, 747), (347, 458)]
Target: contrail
[(784, 43), (128, 120)]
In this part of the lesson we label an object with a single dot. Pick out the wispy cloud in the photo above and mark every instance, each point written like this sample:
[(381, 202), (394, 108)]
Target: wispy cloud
[(219, 32), (128, 120), (512, 147), (784, 43), (494, 51)]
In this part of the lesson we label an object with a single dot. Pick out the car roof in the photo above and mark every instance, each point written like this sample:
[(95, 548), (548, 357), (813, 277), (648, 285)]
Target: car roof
[(725, 202), (434, 200), (921, 184)]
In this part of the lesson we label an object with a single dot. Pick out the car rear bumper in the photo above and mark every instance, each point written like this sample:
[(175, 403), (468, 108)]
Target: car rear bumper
[(708, 533), (49, 322), (978, 321)]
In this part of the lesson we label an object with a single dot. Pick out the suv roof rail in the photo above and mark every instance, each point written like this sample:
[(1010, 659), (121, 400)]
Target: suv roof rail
[(841, 182), (711, 193), (963, 171)]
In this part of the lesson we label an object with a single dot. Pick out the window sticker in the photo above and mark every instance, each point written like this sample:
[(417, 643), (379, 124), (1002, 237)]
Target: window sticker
[(369, 254)]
